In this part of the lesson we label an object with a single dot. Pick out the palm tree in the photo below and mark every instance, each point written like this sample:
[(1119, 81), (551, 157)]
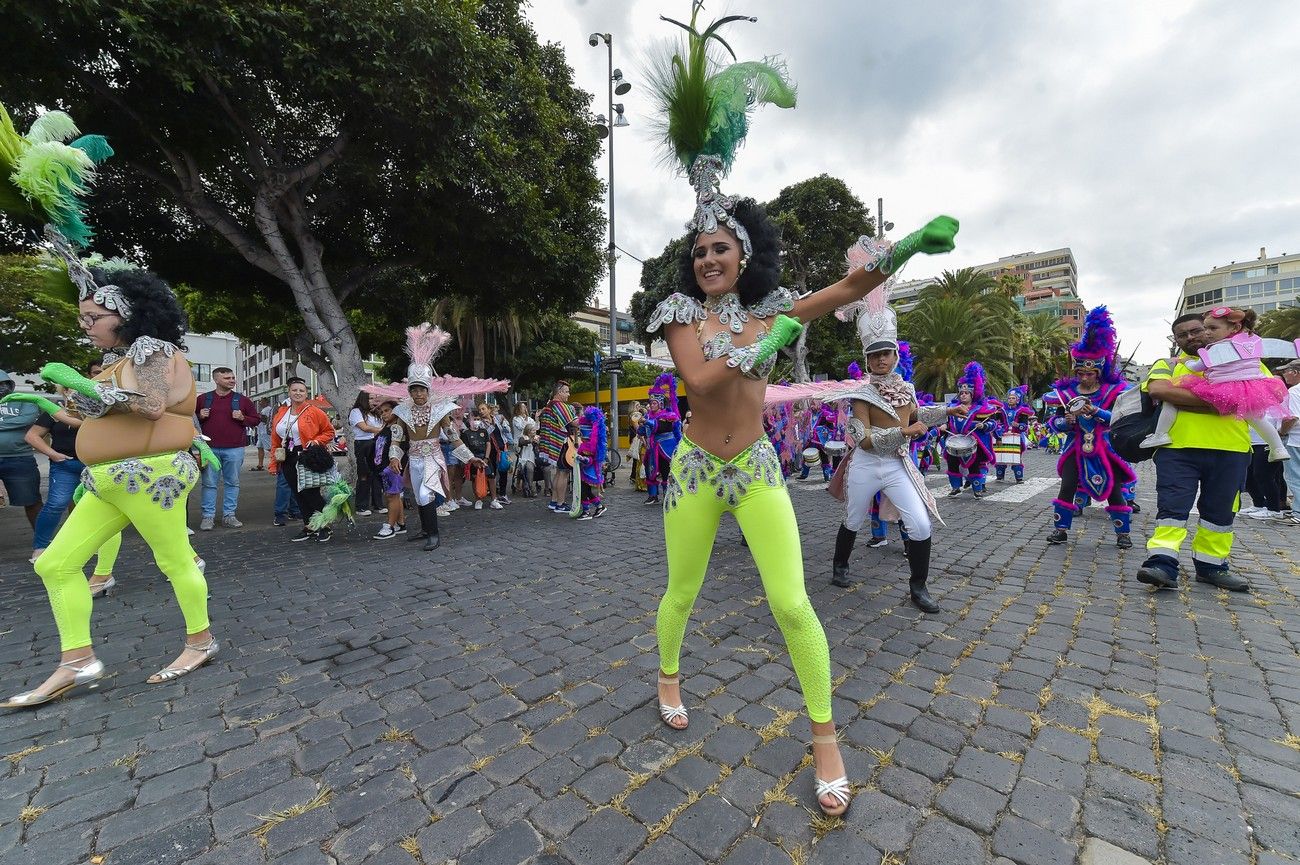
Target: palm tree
[(946, 333), (1040, 346), (477, 330), (1281, 323), (978, 291)]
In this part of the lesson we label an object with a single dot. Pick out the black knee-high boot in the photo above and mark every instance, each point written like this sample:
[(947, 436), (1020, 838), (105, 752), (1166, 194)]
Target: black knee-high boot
[(918, 561), (429, 520), (843, 549), (424, 526)]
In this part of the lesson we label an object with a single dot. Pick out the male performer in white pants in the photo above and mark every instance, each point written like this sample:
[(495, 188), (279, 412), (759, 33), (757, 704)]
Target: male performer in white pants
[(885, 420)]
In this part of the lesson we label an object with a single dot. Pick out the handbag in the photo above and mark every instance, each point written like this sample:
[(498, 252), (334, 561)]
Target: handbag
[(480, 483), (1132, 419)]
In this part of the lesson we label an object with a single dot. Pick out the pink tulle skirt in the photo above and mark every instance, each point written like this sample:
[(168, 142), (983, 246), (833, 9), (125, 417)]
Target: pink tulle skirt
[(1256, 398)]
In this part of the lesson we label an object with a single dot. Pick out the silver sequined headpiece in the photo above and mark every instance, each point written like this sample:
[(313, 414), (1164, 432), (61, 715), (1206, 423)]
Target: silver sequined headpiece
[(711, 206), (108, 296)]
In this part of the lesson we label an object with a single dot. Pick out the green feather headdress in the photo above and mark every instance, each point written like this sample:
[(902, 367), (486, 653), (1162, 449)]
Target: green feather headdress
[(704, 109), (44, 179)]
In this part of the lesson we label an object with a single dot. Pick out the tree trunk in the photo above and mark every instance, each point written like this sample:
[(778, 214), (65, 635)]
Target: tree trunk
[(801, 357)]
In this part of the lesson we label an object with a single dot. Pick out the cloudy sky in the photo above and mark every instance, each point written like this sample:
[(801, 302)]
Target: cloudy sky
[(1156, 139)]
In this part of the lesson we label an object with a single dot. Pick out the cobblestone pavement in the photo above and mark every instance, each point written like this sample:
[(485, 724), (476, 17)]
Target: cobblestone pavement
[(494, 702)]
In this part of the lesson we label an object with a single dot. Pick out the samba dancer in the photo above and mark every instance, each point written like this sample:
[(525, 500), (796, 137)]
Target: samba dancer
[(723, 330), (969, 444), (1088, 465)]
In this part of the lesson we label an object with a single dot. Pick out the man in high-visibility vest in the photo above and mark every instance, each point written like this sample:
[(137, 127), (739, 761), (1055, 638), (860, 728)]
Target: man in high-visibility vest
[(1209, 452)]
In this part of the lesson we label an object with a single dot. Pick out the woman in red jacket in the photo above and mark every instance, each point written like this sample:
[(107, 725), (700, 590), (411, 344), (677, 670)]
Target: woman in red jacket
[(297, 426)]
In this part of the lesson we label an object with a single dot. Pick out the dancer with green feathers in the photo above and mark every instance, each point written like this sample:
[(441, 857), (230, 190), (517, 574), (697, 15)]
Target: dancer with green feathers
[(724, 328), (137, 427)]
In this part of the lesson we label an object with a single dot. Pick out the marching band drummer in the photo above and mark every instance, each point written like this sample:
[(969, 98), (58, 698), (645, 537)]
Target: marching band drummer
[(969, 444)]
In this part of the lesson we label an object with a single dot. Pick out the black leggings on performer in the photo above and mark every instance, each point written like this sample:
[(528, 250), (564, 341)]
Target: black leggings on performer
[(1070, 485)]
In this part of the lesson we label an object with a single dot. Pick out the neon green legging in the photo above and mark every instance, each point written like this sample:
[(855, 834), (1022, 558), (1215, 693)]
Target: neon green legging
[(106, 555), (148, 493), (701, 488)]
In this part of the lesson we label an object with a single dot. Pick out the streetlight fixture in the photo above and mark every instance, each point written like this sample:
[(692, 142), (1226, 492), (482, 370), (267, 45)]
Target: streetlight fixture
[(606, 124)]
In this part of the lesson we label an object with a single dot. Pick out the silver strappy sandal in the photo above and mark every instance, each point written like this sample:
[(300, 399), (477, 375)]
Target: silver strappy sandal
[(667, 713), (837, 789), (170, 673), (87, 675)]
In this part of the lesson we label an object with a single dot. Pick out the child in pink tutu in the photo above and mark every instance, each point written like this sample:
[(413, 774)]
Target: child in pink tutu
[(1236, 386)]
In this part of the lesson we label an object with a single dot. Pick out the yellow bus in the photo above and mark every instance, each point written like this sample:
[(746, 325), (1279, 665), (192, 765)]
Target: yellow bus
[(626, 396)]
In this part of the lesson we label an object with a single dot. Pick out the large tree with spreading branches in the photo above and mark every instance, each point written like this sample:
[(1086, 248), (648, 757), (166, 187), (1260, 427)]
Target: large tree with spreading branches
[(314, 171)]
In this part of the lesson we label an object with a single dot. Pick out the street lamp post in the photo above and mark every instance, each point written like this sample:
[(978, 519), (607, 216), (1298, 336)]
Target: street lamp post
[(615, 84)]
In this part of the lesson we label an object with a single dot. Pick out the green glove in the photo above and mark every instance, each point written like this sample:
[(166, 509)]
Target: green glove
[(206, 456), (61, 373), (41, 402), (934, 237), (785, 330), (78, 493)]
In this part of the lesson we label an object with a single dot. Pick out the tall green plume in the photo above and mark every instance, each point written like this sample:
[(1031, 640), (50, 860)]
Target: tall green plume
[(41, 178), (705, 106)]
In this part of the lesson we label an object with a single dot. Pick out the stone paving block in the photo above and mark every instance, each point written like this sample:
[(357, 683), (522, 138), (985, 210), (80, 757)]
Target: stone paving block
[(654, 800), (667, 850), (1054, 772), (1122, 824), (745, 787), (150, 819), (243, 816), (1184, 848), (1045, 806), (1025, 843), (606, 837), (971, 804), (312, 827), (177, 844), (90, 807), (779, 756), (887, 823), (1064, 744), (453, 835), (1220, 822), (756, 851), (709, 827), (991, 770), (920, 757), (940, 842), (515, 844), (190, 777), (843, 848)]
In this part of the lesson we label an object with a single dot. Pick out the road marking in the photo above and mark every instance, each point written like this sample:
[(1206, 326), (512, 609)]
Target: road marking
[(1024, 492)]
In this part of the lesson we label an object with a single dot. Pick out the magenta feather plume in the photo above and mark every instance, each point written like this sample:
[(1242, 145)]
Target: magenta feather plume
[(855, 371)]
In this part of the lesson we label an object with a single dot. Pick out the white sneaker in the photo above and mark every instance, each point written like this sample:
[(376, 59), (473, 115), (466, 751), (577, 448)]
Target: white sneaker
[(1156, 440), (1249, 512), (497, 506), (1276, 516), (364, 513), (385, 531), (478, 505), (443, 511), (451, 506), (463, 502), (1261, 514), (505, 500)]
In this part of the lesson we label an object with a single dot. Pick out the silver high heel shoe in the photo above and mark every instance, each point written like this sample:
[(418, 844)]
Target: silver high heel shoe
[(104, 588), (209, 651), (669, 714), (87, 675), (838, 789)]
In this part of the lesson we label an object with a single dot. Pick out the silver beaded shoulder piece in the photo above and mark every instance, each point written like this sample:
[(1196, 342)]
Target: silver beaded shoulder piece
[(147, 346), (679, 308)]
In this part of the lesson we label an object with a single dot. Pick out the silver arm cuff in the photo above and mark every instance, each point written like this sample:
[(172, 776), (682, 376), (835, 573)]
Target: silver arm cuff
[(932, 415), (462, 453), (857, 429), (109, 395), (887, 439)]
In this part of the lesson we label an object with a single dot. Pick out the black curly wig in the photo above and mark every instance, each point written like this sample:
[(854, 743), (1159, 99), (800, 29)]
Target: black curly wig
[(155, 311), (762, 273)]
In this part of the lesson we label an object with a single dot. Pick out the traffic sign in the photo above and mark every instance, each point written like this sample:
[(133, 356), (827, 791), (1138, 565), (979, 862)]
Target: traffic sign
[(578, 366)]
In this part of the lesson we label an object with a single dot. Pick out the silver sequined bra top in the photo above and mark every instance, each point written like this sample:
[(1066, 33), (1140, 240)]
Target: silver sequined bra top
[(684, 309)]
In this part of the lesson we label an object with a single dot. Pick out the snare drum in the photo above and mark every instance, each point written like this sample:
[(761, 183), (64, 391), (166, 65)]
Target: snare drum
[(836, 449), (960, 446)]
